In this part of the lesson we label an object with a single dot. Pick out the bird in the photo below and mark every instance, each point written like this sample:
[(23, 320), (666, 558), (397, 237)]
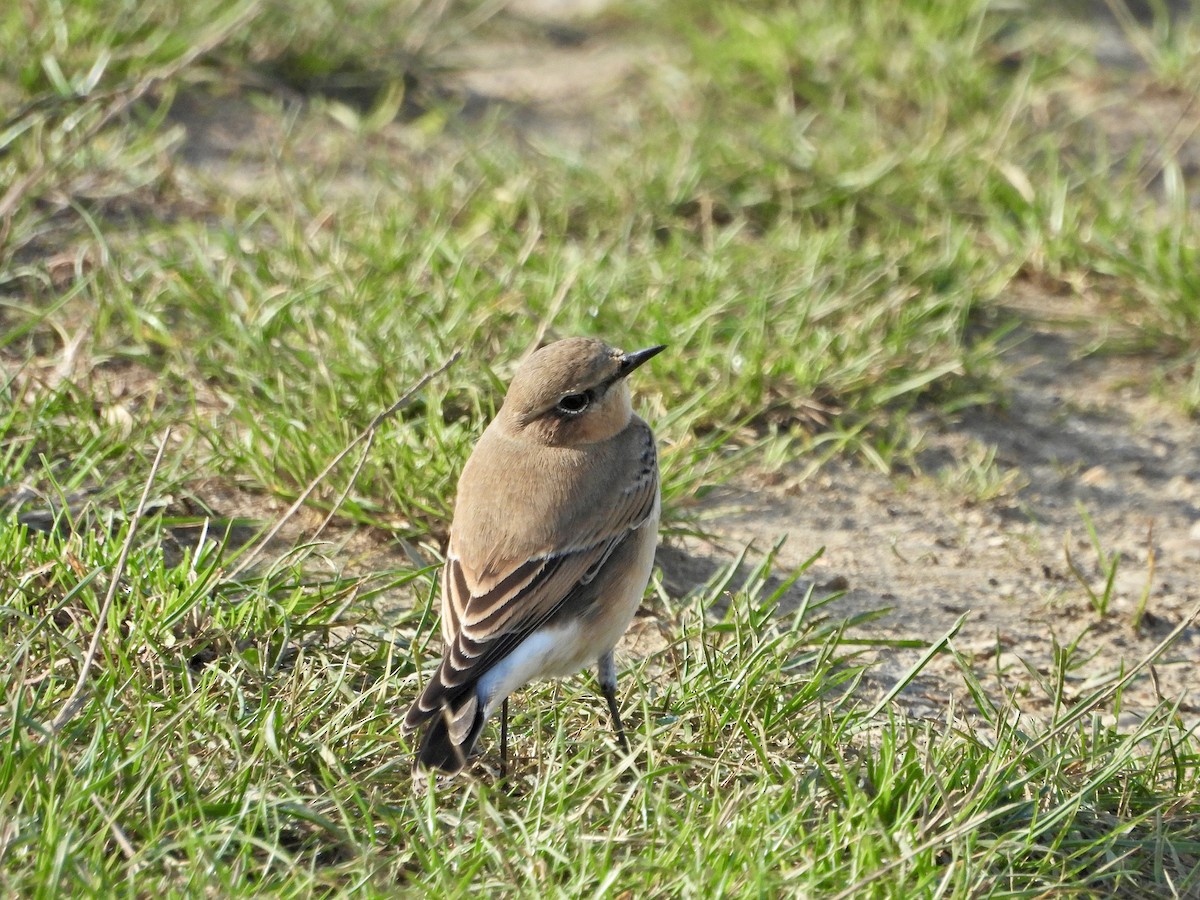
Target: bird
[(551, 545)]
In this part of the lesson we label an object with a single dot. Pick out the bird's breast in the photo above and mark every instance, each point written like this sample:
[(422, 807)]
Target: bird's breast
[(518, 500)]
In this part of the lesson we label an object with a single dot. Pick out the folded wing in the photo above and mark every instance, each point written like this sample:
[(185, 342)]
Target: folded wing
[(484, 620)]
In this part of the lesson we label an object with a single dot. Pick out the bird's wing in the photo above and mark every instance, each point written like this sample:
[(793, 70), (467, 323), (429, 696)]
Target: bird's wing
[(486, 621)]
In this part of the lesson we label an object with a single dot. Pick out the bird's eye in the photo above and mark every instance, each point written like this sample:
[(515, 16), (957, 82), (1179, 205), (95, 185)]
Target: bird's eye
[(573, 404)]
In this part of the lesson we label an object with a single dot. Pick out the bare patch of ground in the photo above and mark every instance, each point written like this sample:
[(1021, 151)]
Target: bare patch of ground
[(1085, 436)]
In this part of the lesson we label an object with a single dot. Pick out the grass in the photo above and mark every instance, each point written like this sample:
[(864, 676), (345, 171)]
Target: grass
[(272, 764), (819, 208)]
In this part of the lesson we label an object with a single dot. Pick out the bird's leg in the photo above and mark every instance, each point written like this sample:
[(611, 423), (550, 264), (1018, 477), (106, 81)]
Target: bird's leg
[(606, 672), (504, 738)]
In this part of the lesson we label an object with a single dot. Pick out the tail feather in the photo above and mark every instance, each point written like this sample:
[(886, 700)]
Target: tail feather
[(439, 749), (452, 717)]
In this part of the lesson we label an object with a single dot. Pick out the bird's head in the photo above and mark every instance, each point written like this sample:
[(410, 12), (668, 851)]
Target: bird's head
[(572, 393)]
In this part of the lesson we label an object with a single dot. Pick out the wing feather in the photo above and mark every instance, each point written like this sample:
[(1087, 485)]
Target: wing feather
[(485, 617)]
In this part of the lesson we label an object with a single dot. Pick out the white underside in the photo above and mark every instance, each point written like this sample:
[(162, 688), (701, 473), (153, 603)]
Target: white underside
[(563, 649)]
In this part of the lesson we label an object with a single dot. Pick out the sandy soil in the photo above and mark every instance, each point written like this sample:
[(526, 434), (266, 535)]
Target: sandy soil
[(1078, 433)]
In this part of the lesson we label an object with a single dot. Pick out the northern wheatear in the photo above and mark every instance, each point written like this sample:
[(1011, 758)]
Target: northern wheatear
[(551, 547)]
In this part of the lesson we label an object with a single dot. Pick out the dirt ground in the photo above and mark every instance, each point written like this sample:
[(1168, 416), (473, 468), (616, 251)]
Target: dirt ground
[(1079, 431)]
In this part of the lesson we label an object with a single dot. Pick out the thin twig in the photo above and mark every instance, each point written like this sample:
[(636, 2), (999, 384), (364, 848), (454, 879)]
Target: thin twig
[(118, 832), (75, 701), (367, 433), (337, 504)]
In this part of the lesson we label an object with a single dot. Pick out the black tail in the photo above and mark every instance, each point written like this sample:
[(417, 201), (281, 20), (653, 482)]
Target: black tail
[(452, 716), (438, 750)]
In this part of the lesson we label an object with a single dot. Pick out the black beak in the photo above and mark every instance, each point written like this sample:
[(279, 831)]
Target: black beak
[(631, 361)]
